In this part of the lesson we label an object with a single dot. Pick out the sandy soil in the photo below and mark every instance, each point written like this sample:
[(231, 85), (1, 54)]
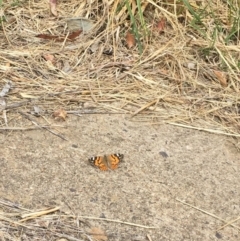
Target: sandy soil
[(162, 164)]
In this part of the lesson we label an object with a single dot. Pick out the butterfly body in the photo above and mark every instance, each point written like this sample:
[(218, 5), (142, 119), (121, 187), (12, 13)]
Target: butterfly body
[(107, 161)]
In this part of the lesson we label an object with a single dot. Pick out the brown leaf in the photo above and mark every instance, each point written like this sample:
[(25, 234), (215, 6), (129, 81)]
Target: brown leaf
[(60, 114), (130, 39), (161, 25), (98, 234), (221, 77), (70, 37), (49, 57), (74, 34), (53, 7), (47, 36)]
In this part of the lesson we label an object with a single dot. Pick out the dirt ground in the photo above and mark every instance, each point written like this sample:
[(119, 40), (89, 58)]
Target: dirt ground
[(162, 165)]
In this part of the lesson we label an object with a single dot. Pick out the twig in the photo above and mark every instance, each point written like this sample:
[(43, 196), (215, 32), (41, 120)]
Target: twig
[(5, 117), (118, 221), (144, 107), (14, 222), (41, 127), (203, 129), (29, 216), (92, 113), (8, 128), (21, 103), (93, 97), (229, 223), (17, 104), (210, 214), (12, 205), (6, 36), (149, 238)]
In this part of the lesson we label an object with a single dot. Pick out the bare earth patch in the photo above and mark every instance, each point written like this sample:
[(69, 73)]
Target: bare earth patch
[(163, 166)]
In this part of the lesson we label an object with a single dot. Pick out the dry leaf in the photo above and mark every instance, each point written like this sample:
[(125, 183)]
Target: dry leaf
[(36, 111), (53, 7), (161, 25), (190, 65), (82, 24), (98, 234), (130, 39), (6, 88), (49, 57), (50, 61), (221, 77), (66, 67), (74, 34), (70, 37), (60, 114)]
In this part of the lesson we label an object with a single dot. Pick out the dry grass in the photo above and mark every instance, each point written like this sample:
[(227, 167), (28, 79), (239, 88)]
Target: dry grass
[(41, 225), (173, 81), (17, 222)]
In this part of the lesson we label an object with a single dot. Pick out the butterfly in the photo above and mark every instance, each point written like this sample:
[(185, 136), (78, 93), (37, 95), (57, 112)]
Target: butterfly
[(106, 162)]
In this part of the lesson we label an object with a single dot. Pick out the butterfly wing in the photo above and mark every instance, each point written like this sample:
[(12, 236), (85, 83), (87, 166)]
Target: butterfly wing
[(99, 161), (113, 160)]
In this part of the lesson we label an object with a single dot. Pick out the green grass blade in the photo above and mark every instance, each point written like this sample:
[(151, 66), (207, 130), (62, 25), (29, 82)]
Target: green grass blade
[(134, 27)]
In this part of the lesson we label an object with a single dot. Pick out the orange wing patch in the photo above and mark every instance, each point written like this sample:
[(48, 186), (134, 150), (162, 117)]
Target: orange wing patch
[(106, 162), (99, 161), (113, 160)]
